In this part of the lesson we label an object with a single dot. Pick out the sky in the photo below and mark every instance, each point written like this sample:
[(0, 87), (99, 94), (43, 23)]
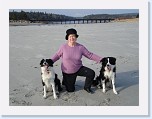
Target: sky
[(80, 12)]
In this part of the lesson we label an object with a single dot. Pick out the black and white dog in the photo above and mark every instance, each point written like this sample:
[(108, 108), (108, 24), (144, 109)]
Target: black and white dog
[(49, 78), (107, 74)]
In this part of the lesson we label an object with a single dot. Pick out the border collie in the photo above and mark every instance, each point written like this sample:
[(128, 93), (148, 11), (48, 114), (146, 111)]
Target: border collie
[(107, 74), (49, 78)]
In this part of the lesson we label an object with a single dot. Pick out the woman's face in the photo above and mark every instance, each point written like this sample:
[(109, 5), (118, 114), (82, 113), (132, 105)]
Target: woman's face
[(72, 38)]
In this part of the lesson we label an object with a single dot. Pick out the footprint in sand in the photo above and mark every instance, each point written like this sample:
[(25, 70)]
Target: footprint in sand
[(29, 94), (15, 91), (70, 97), (38, 89), (106, 101), (14, 101)]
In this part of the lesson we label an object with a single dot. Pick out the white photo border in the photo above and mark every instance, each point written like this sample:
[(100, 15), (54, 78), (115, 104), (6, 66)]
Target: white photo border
[(141, 110)]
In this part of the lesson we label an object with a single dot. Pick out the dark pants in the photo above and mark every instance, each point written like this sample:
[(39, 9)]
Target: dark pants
[(69, 79)]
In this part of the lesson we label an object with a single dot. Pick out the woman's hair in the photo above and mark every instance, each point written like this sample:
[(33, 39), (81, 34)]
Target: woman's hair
[(71, 31)]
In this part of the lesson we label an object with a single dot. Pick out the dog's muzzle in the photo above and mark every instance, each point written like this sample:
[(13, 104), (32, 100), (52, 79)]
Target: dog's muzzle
[(108, 67)]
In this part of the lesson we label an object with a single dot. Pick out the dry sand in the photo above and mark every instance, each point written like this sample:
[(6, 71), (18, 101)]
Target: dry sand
[(29, 44)]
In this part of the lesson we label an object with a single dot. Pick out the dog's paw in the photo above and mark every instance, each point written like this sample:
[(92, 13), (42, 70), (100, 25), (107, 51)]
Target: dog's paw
[(115, 92), (55, 97), (104, 91), (44, 97)]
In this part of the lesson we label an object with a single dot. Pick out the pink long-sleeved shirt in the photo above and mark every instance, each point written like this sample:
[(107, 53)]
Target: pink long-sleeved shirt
[(71, 57)]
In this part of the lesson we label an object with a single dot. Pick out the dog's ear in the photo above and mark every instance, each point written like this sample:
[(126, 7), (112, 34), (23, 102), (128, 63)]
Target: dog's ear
[(103, 59), (113, 60), (50, 62), (41, 62)]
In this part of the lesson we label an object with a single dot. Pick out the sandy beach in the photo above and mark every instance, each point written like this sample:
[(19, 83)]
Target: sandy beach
[(29, 44)]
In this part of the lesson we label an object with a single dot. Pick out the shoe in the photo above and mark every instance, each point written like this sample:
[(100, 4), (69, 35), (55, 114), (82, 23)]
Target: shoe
[(88, 90)]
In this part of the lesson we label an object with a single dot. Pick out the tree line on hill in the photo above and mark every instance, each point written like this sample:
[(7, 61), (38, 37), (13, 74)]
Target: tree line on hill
[(112, 16), (13, 15), (36, 16)]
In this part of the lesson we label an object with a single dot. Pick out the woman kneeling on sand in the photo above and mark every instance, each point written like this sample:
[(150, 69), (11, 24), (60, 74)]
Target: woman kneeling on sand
[(71, 66)]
